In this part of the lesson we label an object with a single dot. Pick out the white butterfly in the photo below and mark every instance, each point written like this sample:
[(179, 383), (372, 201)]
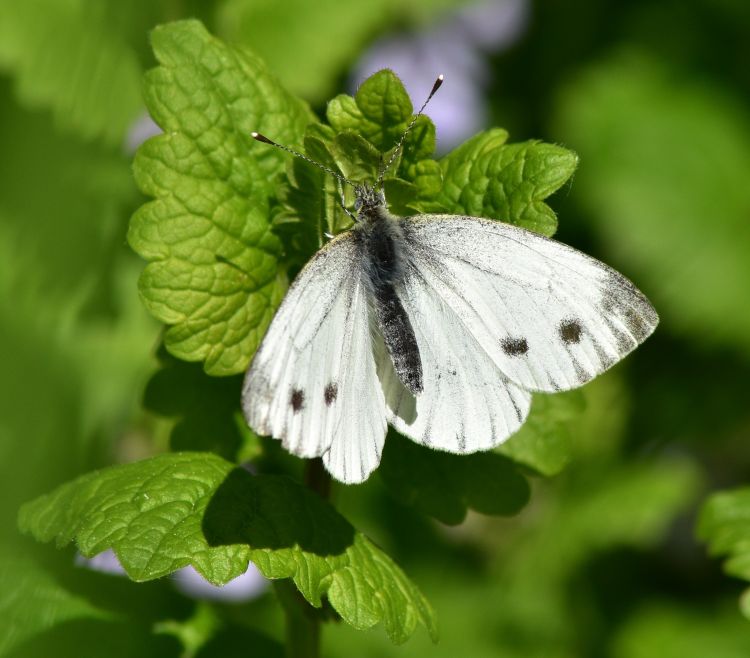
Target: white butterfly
[(442, 326)]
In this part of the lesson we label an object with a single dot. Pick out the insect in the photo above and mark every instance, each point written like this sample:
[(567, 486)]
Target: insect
[(439, 325)]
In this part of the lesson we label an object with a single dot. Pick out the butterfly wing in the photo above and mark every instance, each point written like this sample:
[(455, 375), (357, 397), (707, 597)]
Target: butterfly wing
[(312, 382), (467, 403), (548, 316)]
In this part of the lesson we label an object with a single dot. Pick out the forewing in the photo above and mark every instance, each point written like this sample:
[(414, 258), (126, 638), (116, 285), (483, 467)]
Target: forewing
[(313, 382), (550, 317), (467, 404)]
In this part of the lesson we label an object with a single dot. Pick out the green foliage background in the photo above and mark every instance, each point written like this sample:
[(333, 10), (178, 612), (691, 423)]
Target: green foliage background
[(595, 545)]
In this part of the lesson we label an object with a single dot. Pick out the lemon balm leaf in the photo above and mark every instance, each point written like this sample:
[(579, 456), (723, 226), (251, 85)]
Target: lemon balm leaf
[(181, 509), (202, 407), (487, 177), (213, 273), (356, 157), (544, 442), (446, 486), (378, 111)]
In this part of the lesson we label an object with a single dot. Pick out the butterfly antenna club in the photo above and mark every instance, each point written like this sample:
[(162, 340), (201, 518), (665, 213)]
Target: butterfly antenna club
[(397, 149)]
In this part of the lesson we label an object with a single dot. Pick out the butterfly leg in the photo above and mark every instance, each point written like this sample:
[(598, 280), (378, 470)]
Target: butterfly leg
[(342, 201)]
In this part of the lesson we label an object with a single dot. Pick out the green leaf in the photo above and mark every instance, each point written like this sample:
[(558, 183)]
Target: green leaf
[(445, 486), (69, 57), (181, 509), (665, 183), (378, 112), (204, 407), (485, 177), (420, 143), (32, 602), (544, 442), (724, 524), (427, 176), (366, 128), (214, 273), (356, 157), (400, 195), (304, 215)]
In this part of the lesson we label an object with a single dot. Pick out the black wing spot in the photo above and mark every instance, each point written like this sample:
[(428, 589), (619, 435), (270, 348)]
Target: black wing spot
[(570, 331), (297, 400), (514, 346), (332, 390)]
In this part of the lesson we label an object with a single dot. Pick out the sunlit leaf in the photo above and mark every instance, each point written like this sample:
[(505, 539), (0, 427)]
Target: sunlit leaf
[(197, 509)]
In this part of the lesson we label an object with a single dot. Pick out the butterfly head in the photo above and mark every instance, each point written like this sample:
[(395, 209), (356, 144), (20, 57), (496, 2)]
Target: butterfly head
[(368, 200)]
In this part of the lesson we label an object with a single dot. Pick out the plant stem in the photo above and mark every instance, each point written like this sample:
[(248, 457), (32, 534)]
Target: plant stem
[(317, 477), (302, 622)]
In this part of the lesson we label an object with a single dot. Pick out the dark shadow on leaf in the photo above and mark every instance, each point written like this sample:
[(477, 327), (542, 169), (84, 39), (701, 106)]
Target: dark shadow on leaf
[(273, 511), (444, 485), (205, 406)]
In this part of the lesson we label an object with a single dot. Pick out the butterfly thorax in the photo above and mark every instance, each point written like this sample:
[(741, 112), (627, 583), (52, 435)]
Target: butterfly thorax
[(381, 237)]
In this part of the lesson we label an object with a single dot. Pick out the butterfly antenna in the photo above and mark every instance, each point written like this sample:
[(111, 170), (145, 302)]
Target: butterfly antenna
[(262, 138), (400, 144)]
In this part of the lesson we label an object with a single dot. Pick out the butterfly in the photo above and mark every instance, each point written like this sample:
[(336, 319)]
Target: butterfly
[(440, 325)]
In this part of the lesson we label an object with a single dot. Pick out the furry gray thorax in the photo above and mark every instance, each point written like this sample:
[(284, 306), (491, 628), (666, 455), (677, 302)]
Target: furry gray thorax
[(381, 239)]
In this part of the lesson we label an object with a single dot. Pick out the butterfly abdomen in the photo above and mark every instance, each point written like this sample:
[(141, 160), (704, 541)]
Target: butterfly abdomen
[(380, 237)]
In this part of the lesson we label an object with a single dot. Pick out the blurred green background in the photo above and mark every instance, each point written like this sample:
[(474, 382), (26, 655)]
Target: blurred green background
[(603, 562)]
